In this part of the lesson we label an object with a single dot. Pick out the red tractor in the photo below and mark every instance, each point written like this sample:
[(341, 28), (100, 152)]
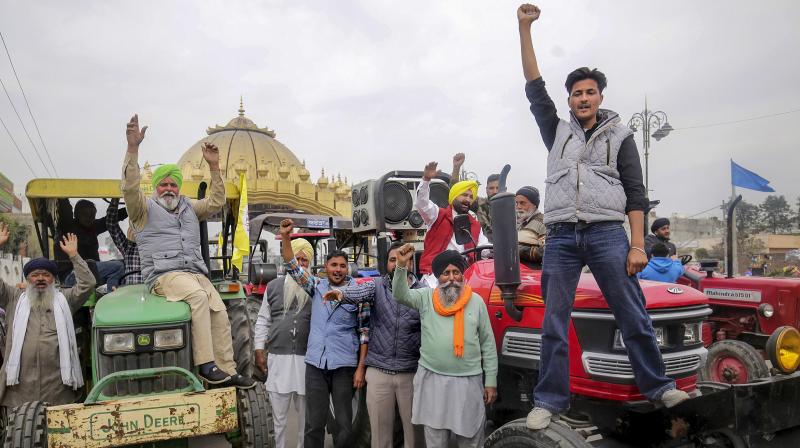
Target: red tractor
[(746, 311), (606, 404)]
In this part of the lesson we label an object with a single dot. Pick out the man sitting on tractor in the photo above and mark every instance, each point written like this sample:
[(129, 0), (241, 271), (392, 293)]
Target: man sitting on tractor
[(661, 232), (594, 179), (662, 267), (390, 365), (441, 234), (125, 244), (282, 327), (531, 231), (41, 357), (334, 362), (457, 374), (167, 227)]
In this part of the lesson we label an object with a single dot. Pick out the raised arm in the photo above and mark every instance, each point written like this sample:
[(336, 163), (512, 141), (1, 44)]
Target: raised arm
[(302, 276), (112, 224), (80, 293), (427, 209), (6, 291), (527, 14), (458, 162), (413, 298), (134, 198), (216, 199)]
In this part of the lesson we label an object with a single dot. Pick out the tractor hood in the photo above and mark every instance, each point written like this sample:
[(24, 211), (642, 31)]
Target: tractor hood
[(135, 306)]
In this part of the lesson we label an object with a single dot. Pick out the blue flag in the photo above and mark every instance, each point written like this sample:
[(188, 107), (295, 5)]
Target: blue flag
[(741, 177)]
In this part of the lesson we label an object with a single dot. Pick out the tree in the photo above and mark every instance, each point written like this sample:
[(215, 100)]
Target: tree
[(776, 215), (18, 234), (797, 216), (747, 218)]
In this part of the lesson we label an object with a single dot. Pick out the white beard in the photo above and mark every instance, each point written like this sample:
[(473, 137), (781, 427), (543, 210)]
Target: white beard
[(40, 300), (168, 201), (292, 292), (522, 216), (449, 292)]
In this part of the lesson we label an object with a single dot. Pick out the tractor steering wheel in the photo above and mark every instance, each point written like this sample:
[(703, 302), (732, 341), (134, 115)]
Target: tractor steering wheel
[(478, 250), (685, 259)]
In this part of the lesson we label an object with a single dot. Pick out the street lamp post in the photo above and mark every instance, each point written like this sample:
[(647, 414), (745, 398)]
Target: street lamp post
[(647, 120)]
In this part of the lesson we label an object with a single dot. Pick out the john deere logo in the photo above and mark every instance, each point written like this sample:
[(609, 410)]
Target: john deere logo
[(143, 339), (675, 290)]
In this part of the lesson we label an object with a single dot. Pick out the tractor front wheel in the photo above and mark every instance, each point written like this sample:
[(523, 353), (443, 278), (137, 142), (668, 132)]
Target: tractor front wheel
[(516, 435), (733, 362), (27, 426), (256, 427)]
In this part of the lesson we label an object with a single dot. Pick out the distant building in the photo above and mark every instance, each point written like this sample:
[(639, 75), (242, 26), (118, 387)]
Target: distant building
[(690, 234), (8, 202)]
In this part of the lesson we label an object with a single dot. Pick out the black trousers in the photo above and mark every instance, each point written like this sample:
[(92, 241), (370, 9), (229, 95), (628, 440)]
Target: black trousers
[(323, 387)]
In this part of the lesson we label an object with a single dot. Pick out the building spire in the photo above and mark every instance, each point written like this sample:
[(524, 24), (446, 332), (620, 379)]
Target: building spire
[(241, 106)]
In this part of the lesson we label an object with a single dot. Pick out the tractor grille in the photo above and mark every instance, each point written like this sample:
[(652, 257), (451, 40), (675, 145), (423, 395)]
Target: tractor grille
[(108, 364), (619, 366), (522, 345)]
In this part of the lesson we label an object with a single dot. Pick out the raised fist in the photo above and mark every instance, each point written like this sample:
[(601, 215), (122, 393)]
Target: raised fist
[(404, 254), (133, 133), (527, 13), (458, 160), (287, 225)]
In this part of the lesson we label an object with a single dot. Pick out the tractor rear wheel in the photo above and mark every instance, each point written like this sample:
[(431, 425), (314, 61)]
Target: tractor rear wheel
[(516, 435), (733, 362), (26, 426), (242, 334), (253, 306)]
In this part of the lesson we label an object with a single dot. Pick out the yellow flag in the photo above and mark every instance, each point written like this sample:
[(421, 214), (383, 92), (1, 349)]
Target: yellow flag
[(241, 238)]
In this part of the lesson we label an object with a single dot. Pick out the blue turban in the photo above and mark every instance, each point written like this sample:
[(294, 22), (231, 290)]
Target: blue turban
[(40, 263)]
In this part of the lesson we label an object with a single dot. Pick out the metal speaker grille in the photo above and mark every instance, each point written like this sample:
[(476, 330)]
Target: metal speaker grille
[(397, 202), (364, 195), (439, 194), (356, 197)]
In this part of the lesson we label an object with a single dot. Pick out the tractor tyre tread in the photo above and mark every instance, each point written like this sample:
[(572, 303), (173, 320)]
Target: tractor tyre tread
[(26, 426), (242, 335), (256, 423), (515, 434), (753, 361)]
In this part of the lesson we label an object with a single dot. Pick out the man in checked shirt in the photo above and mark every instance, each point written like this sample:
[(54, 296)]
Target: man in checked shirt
[(125, 244), (335, 364)]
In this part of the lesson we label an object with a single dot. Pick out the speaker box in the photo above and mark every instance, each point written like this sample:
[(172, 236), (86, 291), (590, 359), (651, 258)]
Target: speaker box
[(399, 197)]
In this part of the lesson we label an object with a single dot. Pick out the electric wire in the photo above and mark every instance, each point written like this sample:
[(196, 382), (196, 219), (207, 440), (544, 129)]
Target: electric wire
[(17, 146), (722, 123), (25, 97), (24, 128)]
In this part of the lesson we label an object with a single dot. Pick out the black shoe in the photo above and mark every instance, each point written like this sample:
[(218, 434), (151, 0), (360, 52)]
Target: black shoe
[(215, 376), (240, 382)]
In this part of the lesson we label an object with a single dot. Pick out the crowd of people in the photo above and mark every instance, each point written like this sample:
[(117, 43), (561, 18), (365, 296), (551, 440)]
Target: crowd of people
[(419, 337)]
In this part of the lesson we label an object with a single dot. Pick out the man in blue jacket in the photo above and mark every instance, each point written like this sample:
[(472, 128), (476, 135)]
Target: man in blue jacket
[(661, 267), (334, 361), (393, 352)]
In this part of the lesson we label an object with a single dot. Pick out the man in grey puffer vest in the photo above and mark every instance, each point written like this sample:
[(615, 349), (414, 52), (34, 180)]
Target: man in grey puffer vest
[(167, 227), (393, 353), (594, 179)]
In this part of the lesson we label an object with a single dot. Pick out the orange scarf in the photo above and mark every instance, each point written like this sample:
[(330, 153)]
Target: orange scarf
[(457, 309)]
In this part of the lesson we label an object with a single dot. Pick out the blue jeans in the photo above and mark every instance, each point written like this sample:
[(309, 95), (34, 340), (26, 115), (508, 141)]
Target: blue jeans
[(110, 272), (604, 248)]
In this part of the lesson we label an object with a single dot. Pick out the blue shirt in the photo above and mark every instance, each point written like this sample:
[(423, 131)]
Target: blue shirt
[(662, 269)]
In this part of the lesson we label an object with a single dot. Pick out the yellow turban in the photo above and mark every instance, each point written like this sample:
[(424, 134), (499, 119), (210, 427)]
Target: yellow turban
[(167, 170), (302, 245), (459, 188)]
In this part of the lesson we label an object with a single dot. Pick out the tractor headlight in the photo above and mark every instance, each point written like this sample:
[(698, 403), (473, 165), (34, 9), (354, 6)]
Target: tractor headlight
[(783, 348), (693, 333), (661, 338), (118, 342), (168, 339), (766, 310)]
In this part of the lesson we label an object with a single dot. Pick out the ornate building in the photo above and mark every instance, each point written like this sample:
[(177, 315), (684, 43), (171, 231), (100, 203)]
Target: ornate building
[(276, 179)]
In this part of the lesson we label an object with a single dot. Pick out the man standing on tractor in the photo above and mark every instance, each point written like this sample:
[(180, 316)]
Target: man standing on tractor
[(483, 207), (393, 352), (441, 233), (457, 374), (41, 357), (167, 227), (531, 231), (594, 179), (660, 229), (283, 325), (334, 361)]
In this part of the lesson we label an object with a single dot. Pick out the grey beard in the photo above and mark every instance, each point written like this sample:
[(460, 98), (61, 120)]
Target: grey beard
[(169, 202), (449, 292), (522, 216), (40, 300)]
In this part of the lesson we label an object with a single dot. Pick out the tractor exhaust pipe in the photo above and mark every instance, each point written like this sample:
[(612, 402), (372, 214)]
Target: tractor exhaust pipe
[(731, 209), (506, 253)]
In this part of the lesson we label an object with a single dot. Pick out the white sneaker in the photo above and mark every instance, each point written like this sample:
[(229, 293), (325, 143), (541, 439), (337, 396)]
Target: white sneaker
[(538, 418), (673, 397)]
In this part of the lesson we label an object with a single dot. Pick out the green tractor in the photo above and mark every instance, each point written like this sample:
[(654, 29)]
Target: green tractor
[(135, 348)]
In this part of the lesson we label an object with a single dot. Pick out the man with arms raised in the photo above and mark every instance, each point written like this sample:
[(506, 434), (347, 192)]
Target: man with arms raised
[(282, 328), (457, 373), (441, 234), (594, 179), (41, 357), (167, 228)]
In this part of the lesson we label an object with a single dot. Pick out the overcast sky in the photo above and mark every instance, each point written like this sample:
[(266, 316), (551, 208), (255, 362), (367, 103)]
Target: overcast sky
[(361, 88)]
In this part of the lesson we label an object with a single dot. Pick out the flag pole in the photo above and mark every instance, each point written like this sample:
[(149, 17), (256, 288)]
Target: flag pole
[(734, 241)]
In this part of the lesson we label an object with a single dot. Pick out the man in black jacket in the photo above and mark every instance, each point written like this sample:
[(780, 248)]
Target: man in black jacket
[(660, 229)]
